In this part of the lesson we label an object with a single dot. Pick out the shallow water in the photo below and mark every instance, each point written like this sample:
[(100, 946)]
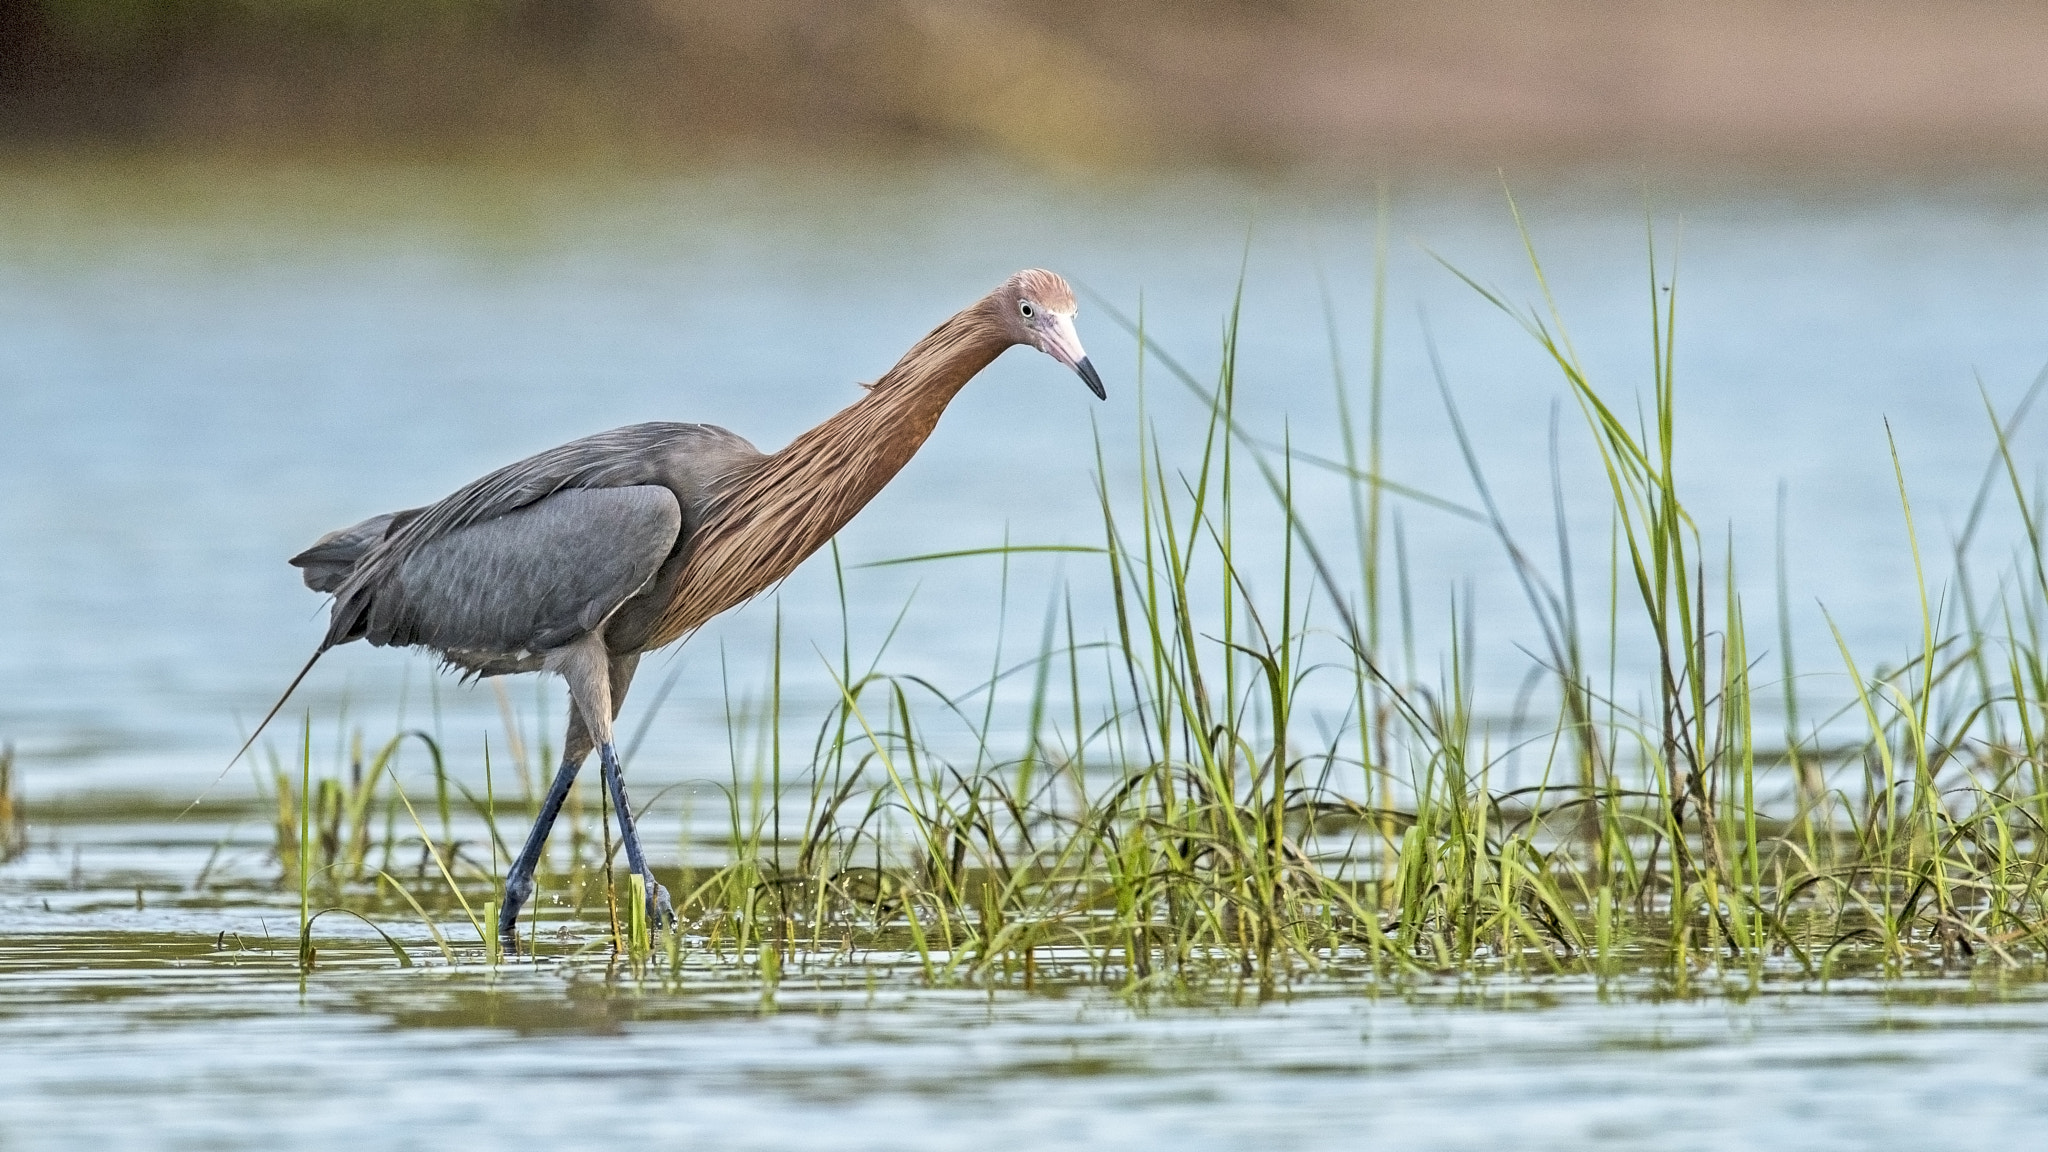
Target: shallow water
[(172, 1025), (204, 367)]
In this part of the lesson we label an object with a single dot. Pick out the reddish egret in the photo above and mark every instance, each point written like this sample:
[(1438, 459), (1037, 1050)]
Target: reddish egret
[(579, 559)]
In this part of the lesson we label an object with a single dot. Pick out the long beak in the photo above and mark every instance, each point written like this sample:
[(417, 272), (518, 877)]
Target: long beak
[(1063, 344)]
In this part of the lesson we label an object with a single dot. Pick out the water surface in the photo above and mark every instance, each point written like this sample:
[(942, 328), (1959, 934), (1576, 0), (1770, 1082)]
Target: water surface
[(183, 1023), (204, 367)]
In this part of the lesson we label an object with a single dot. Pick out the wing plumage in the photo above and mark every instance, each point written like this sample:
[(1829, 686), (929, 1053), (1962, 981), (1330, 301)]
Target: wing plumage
[(530, 580), (530, 556)]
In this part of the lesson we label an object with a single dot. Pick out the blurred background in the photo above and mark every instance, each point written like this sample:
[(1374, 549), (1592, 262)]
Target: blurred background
[(271, 266), (1291, 83)]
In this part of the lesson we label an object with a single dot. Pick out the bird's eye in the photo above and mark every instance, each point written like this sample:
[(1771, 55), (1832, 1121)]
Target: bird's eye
[(1025, 307)]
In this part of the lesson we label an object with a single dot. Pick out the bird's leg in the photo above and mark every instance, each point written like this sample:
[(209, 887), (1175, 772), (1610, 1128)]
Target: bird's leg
[(519, 880), (660, 912), (591, 674)]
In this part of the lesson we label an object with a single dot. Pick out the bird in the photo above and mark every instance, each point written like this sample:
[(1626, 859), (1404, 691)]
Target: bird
[(579, 560)]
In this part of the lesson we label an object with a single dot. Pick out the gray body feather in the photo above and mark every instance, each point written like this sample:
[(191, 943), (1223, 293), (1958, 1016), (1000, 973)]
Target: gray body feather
[(484, 596), (583, 539)]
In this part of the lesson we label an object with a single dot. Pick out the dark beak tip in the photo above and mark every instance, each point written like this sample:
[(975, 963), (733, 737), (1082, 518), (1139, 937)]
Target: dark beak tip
[(1092, 378)]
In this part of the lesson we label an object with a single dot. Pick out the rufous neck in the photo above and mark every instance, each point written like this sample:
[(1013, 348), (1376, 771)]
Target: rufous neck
[(940, 364)]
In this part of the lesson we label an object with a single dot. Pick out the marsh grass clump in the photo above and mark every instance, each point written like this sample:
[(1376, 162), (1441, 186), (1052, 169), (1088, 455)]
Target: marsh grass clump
[(1177, 812)]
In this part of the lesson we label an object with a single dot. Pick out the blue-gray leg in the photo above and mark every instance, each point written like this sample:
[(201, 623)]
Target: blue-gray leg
[(519, 881), (660, 913)]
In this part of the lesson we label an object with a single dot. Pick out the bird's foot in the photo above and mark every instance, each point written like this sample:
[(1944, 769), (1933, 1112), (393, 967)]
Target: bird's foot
[(660, 912), (517, 889)]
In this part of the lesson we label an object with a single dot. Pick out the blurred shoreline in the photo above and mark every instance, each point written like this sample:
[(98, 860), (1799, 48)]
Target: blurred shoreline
[(1893, 87)]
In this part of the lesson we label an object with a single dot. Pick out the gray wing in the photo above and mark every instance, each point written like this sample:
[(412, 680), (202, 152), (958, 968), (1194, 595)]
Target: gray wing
[(686, 459), (532, 579)]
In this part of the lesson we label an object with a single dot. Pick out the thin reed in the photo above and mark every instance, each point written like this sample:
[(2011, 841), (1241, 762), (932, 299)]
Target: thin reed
[(1179, 812), (13, 824)]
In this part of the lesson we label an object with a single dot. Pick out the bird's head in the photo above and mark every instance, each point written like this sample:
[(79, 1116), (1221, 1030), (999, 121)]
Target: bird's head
[(1036, 307)]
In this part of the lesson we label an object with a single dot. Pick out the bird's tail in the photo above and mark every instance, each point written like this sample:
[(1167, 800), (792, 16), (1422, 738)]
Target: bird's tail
[(265, 723)]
